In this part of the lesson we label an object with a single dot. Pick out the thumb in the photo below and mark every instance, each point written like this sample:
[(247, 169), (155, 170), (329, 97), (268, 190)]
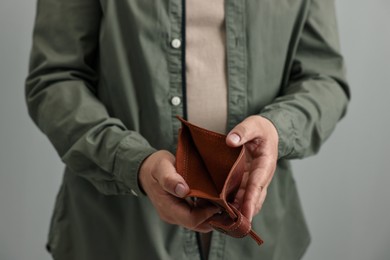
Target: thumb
[(159, 168), (233, 139), (181, 189), (174, 184), (242, 133)]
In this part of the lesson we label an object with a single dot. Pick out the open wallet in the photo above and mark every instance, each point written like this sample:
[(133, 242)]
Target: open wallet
[(213, 171)]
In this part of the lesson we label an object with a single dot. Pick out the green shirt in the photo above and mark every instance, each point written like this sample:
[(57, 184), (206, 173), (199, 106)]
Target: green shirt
[(106, 81)]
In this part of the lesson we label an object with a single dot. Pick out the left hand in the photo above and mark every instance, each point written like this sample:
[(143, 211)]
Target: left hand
[(260, 138)]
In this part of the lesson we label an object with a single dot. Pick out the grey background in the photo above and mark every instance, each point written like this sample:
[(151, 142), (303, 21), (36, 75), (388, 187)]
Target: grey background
[(345, 189)]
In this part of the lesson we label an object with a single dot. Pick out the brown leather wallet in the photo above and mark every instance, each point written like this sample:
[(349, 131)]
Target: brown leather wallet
[(213, 171)]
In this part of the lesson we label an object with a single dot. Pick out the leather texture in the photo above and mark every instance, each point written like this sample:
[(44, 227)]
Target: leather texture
[(213, 172)]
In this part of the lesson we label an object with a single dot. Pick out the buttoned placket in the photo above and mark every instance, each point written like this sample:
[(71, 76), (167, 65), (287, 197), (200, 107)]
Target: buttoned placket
[(176, 62), (177, 98), (236, 63)]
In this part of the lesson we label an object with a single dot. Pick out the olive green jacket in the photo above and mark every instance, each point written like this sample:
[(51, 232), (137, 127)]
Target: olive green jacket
[(102, 78)]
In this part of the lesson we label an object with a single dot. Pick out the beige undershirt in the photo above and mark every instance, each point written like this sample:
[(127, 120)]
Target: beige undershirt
[(206, 71), (206, 64)]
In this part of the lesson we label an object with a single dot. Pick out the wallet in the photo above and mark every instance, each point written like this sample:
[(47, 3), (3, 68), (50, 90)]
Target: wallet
[(213, 172)]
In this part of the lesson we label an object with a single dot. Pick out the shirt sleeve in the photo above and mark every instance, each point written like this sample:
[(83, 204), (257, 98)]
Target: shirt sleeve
[(316, 94), (62, 98)]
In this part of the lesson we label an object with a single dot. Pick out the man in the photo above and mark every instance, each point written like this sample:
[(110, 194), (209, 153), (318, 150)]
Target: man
[(107, 80)]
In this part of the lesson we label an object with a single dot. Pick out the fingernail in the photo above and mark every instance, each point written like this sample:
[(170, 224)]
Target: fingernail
[(180, 190), (235, 138)]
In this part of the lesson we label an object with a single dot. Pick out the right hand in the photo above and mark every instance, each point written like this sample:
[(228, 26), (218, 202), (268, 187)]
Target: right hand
[(166, 189)]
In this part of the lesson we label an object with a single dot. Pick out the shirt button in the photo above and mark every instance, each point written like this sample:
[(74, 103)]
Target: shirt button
[(175, 101), (176, 43), (134, 193)]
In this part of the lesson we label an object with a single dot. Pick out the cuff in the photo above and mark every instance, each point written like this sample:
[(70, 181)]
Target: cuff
[(132, 151), (285, 128)]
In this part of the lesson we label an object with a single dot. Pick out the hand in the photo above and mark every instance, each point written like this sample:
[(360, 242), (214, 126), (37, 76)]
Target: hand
[(166, 190), (260, 138)]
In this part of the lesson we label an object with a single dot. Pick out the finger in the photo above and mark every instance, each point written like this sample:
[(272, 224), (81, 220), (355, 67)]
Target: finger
[(200, 204), (255, 209), (256, 184), (193, 218), (204, 228), (239, 198), (263, 195)]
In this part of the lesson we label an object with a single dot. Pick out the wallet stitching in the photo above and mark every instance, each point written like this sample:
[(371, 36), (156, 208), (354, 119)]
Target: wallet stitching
[(238, 226), (186, 162)]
